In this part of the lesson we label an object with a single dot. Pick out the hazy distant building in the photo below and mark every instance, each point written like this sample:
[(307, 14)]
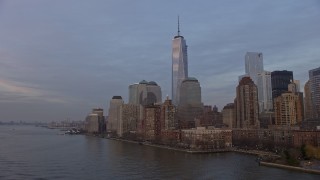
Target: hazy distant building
[(314, 78), (190, 105), (297, 83), (228, 115), (114, 114), (179, 65), (145, 93), (92, 123), (264, 91), (288, 110), (280, 81), (308, 101), (247, 107), (95, 121), (254, 65)]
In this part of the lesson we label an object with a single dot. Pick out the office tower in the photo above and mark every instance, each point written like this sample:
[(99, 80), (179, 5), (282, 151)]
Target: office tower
[(288, 110), (247, 107), (145, 93), (114, 114), (168, 115), (179, 64), (308, 101), (128, 120), (264, 91), (190, 92), (254, 65), (101, 119), (95, 121), (314, 78), (280, 81), (228, 115), (190, 105), (297, 83), (154, 95)]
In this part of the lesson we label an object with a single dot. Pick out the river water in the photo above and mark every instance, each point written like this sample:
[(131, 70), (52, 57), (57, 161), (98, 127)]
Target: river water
[(28, 152)]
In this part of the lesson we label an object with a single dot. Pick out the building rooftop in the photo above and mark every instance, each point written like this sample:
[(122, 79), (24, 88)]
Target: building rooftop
[(116, 97), (143, 82), (190, 79), (152, 83)]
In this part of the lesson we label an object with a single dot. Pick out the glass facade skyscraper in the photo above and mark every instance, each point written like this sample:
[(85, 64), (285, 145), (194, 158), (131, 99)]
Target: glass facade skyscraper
[(280, 81), (179, 65), (254, 65)]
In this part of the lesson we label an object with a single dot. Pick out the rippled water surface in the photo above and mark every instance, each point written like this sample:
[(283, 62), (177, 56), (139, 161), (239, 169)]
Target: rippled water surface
[(28, 152)]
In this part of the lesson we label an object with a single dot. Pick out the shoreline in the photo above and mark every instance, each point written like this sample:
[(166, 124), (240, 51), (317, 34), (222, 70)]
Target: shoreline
[(282, 166), (249, 152)]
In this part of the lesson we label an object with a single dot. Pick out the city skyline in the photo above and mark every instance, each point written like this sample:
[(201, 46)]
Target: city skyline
[(61, 58)]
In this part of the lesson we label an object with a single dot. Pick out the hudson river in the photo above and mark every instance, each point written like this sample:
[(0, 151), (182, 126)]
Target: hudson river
[(28, 152)]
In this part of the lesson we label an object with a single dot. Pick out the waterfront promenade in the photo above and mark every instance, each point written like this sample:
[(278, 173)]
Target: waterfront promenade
[(250, 152)]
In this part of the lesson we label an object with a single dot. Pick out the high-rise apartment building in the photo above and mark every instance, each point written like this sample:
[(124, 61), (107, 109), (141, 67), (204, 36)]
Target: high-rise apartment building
[(247, 107), (168, 115), (280, 81), (179, 64), (152, 122), (288, 110), (264, 91), (145, 93), (314, 78), (130, 115)]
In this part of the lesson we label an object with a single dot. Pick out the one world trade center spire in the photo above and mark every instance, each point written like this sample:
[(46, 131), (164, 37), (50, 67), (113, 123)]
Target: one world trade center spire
[(179, 64)]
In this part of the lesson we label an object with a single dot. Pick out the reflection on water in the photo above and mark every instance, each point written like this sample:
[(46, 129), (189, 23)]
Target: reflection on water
[(32, 152)]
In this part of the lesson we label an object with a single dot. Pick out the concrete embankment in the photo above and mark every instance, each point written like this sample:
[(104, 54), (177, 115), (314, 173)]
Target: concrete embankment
[(256, 152), (313, 171), (172, 148)]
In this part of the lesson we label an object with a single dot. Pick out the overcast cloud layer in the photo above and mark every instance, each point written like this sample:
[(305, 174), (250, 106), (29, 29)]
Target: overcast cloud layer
[(60, 58)]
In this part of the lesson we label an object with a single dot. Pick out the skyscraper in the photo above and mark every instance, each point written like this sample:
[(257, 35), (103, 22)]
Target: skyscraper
[(247, 107), (114, 114), (145, 93), (254, 65), (288, 110), (280, 81), (179, 64), (264, 91), (308, 101), (314, 78), (190, 105)]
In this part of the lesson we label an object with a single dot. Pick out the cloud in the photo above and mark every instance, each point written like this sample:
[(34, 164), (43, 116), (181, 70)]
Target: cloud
[(19, 92)]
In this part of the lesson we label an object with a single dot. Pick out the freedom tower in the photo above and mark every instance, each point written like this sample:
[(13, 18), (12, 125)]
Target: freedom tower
[(179, 64)]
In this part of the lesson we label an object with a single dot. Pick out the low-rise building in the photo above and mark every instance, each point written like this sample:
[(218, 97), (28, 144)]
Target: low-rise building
[(203, 138)]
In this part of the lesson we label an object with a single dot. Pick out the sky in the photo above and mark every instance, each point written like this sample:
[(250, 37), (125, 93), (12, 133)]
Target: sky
[(61, 58)]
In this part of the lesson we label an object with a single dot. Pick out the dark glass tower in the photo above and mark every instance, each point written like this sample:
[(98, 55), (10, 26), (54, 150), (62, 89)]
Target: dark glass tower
[(280, 81)]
